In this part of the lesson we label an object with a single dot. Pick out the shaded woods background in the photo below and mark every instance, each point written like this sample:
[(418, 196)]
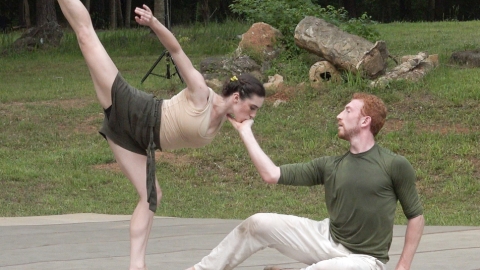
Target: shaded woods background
[(16, 14)]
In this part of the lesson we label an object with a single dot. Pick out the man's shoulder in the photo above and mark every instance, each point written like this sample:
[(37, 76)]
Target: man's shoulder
[(385, 151), (392, 156)]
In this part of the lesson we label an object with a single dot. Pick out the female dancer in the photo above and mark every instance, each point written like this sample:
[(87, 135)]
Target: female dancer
[(136, 123)]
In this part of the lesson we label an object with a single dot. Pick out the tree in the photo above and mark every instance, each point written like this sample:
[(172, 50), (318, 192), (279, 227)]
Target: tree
[(87, 5), (113, 14), (46, 12), (128, 12), (159, 11), (405, 10), (119, 14), (25, 14), (351, 7), (204, 10)]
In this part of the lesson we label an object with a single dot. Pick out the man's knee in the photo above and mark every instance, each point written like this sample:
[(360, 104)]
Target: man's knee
[(257, 223)]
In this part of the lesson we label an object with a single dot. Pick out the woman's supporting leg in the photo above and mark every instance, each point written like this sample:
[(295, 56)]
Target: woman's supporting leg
[(102, 69), (134, 166)]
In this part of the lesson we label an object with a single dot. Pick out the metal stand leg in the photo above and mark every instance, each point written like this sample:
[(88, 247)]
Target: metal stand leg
[(168, 74)]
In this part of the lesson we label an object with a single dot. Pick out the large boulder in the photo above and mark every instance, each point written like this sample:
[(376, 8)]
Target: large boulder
[(253, 55), (45, 36), (224, 67), (469, 58), (345, 51), (260, 41)]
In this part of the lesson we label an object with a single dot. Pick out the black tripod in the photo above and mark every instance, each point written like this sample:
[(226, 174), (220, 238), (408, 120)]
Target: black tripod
[(166, 54)]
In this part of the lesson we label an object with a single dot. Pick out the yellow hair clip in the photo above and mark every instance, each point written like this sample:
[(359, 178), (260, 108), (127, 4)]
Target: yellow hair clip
[(234, 78)]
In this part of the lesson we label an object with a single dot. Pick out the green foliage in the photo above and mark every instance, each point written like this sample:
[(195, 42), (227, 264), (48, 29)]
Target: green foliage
[(286, 14), (362, 26)]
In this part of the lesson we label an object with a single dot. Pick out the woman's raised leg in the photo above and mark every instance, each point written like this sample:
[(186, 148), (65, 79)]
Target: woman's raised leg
[(134, 166), (102, 69)]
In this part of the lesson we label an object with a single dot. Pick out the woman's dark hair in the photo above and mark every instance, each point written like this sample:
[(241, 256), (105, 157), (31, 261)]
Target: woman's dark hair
[(245, 85)]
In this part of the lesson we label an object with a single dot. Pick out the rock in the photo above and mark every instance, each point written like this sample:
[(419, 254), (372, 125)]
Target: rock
[(278, 102), (323, 71), (345, 51), (273, 82), (225, 67), (413, 68), (466, 58), (45, 36), (260, 41), (215, 84)]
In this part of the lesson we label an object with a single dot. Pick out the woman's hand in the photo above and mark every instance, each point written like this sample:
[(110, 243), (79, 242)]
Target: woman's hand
[(144, 16)]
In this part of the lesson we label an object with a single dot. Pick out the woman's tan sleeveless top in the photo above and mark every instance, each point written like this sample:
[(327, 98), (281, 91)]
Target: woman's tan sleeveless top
[(183, 126)]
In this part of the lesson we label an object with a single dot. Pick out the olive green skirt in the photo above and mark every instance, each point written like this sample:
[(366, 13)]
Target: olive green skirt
[(133, 123)]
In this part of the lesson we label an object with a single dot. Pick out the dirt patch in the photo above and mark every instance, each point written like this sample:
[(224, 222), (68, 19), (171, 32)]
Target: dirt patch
[(67, 103), (283, 92), (173, 159), (392, 125), (12, 109), (413, 104), (110, 167), (428, 189), (476, 170), (445, 129), (89, 125), (64, 104)]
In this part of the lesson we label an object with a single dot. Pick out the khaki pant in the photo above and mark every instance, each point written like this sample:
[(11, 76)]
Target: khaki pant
[(305, 240)]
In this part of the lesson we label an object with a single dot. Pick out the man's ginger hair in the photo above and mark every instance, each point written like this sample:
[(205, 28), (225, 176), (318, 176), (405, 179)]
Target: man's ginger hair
[(374, 107)]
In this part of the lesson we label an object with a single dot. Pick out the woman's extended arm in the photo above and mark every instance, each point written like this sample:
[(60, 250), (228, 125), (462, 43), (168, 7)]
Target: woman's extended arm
[(195, 82)]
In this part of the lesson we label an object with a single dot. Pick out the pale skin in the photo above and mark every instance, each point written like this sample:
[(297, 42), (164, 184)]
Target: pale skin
[(355, 128), (103, 73)]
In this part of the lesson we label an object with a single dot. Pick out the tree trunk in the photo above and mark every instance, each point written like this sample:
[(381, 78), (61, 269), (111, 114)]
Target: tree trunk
[(46, 33), (119, 14), (87, 5), (26, 14), (345, 51), (159, 12), (46, 12), (113, 14), (204, 10), (431, 10), (439, 11), (128, 13), (405, 10)]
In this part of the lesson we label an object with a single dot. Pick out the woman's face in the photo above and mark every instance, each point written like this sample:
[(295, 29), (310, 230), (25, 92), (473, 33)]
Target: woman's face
[(246, 108)]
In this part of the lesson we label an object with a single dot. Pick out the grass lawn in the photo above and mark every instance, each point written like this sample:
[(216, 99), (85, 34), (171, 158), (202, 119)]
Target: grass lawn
[(52, 160)]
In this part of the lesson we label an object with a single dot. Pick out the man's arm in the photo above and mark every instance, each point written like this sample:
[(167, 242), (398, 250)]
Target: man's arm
[(412, 239), (269, 172)]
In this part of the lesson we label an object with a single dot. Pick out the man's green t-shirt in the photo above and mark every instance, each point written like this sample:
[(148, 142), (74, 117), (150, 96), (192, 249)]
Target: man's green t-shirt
[(361, 193)]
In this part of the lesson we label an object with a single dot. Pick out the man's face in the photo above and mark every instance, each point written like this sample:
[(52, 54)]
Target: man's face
[(349, 120)]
